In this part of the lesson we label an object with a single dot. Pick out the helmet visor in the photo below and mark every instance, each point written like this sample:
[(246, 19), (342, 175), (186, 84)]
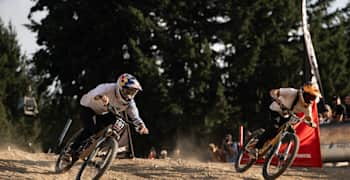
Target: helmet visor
[(128, 93)]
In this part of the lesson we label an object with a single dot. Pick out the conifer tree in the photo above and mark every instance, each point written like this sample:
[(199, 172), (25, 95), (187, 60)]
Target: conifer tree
[(13, 83)]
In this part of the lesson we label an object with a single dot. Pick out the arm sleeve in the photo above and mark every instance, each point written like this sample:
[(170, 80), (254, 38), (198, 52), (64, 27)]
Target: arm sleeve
[(133, 113), (88, 99)]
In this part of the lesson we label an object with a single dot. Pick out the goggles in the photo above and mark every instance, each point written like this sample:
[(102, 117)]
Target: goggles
[(129, 93), (308, 98)]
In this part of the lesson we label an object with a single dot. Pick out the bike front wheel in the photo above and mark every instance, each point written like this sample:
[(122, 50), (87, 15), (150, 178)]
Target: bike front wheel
[(99, 160), (281, 156)]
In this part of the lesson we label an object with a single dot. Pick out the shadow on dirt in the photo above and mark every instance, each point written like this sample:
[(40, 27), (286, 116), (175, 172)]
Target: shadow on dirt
[(169, 172), (10, 165), (312, 173), (150, 172)]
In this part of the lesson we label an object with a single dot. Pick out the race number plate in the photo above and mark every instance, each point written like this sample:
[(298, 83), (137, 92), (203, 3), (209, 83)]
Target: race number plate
[(119, 125)]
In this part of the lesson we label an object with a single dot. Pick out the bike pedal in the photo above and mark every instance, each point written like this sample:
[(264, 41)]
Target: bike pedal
[(67, 158), (95, 165), (254, 154)]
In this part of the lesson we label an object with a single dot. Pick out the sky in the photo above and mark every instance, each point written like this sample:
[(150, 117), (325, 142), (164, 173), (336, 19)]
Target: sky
[(16, 12)]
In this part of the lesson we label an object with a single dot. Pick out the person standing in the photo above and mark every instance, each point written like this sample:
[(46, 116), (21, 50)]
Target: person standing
[(228, 147), (326, 116), (338, 109), (347, 107)]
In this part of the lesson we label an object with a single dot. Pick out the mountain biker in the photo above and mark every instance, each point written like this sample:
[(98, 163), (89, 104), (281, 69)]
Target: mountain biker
[(284, 99), (95, 115)]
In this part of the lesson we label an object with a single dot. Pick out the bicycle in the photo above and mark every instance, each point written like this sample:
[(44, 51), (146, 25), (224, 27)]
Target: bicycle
[(97, 151), (279, 152)]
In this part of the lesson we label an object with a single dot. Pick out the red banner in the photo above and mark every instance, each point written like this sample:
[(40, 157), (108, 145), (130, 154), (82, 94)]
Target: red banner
[(309, 153)]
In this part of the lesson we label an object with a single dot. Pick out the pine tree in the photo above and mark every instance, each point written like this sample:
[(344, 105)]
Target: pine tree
[(13, 83)]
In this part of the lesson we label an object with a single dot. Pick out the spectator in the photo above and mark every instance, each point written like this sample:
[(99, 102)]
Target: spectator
[(347, 107), (152, 153), (338, 109), (228, 147), (326, 116), (216, 154), (235, 150), (177, 153), (163, 154)]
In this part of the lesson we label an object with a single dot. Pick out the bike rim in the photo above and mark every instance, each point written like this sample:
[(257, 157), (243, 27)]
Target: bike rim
[(62, 165), (282, 158), (244, 161), (96, 162)]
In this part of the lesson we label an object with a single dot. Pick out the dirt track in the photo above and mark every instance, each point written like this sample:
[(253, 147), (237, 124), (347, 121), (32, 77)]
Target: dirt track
[(16, 164)]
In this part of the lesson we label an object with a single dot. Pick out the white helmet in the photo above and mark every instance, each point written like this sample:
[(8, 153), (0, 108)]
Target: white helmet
[(128, 86)]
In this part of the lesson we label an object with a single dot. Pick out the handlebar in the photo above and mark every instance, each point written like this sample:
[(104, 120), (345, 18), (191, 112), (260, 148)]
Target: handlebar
[(112, 109)]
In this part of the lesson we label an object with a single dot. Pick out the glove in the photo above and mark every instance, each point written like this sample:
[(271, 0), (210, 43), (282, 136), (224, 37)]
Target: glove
[(103, 98), (142, 129), (282, 106), (311, 123), (285, 110)]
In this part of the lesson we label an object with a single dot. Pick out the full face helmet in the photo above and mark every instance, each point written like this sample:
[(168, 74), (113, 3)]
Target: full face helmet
[(310, 92), (128, 86)]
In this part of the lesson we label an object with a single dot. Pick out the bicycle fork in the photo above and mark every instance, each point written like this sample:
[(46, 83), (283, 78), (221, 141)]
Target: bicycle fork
[(284, 156)]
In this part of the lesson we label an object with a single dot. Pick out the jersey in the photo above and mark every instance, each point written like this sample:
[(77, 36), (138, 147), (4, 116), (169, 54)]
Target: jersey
[(287, 97), (110, 90)]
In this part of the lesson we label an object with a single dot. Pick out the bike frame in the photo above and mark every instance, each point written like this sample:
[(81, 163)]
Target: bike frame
[(102, 135), (282, 132)]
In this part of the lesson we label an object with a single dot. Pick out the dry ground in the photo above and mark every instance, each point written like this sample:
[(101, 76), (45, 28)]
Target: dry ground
[(17, 164)]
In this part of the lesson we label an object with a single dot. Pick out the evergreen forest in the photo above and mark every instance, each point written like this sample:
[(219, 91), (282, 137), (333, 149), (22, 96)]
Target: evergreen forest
[(206, 66)]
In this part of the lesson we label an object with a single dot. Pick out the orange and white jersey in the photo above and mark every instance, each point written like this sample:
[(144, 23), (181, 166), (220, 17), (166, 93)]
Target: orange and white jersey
[(287, 97)]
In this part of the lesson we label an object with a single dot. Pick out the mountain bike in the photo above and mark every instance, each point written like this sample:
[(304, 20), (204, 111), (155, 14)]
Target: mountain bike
[(279, 152), (97, 151)]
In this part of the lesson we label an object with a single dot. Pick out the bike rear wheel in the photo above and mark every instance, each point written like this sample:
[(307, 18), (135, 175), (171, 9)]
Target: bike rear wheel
[(244, 161), (99, 160), (61, 164), (281, 156)]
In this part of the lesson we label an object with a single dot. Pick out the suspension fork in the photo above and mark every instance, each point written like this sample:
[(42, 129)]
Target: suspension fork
[(285, 153), (287, 149), (100, 141), (92, 147), (279, 143)]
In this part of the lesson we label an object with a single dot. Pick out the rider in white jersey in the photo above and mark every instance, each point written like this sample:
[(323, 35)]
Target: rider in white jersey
[(95, 115), (110, 91)]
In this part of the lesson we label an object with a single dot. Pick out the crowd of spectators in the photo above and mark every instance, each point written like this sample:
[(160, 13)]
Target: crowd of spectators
[(227, 152), (162, 155), (336, 111)]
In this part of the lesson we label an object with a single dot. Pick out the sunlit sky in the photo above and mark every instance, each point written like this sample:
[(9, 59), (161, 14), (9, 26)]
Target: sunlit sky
[(16, 12)]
